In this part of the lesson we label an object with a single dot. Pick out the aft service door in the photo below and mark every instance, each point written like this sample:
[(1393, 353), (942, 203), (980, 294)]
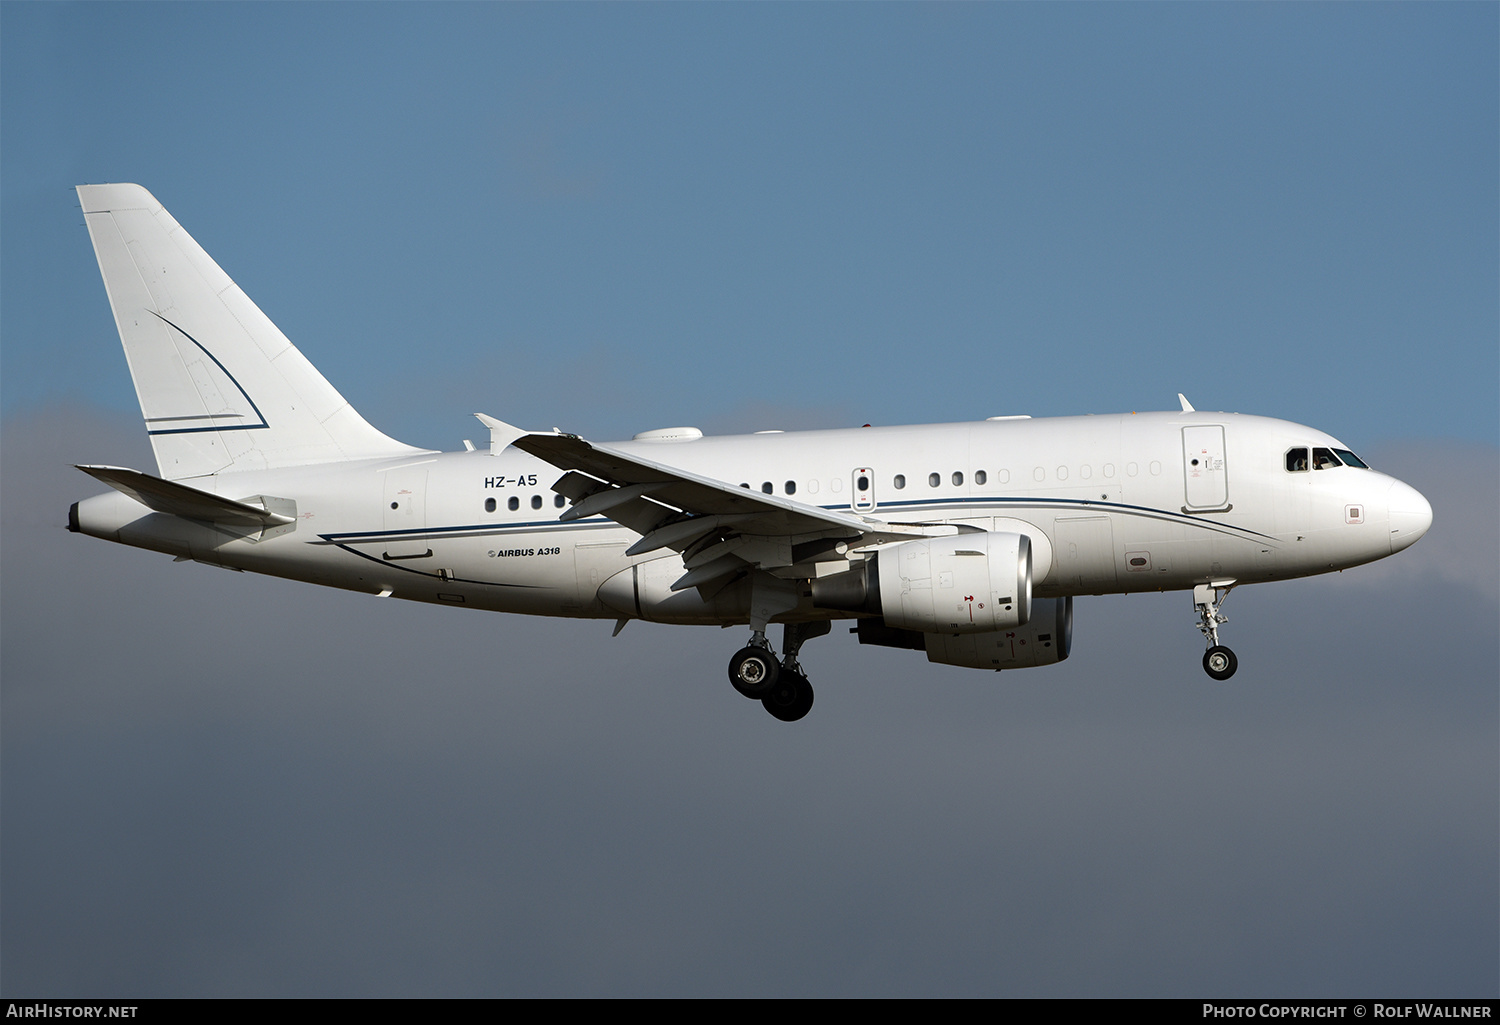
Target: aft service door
[(1207, 483), (405, 513)]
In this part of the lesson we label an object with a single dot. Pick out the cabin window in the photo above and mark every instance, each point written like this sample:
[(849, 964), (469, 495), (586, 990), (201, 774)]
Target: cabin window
[(899, 481), (489, 505), (1131, 469), (1350, 459), (1085, 471), (812, 486), (1109, 469), (1062, 473), (958, 479), (933, 480), (1155, 468), (513, 504), (745, 486), (1004, 477), (558, 501), (1296, 460), (980, 477), (767, 487), (536, 501), (791, 487), (1039, 474)]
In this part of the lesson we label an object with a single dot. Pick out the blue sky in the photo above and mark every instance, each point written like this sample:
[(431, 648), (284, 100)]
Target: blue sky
[(612, 218)]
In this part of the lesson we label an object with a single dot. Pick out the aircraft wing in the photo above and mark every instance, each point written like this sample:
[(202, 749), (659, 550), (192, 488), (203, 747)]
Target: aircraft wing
[(720, 526)]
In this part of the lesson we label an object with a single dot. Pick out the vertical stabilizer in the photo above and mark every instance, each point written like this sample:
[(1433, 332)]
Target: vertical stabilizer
[(220, 387)]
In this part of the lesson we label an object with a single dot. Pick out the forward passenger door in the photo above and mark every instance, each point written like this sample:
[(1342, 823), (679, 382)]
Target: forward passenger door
[(1204, 472)]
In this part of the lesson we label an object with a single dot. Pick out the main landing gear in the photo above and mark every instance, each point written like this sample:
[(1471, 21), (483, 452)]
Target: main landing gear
[(753, 670), (1218, 661), (781, 687)]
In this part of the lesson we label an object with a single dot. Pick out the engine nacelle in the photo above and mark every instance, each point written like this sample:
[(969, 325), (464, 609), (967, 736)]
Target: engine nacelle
[(1046, 639), (967, 583)]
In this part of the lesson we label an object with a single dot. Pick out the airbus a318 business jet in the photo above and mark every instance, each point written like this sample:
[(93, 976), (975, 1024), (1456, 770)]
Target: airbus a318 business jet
[(968, 541)]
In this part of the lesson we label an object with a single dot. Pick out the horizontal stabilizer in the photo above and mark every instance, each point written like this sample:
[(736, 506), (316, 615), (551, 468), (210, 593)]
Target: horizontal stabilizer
[(165, 496)]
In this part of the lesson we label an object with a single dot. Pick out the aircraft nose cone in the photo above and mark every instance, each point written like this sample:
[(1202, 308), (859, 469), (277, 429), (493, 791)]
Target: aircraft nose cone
[(1411, 515)]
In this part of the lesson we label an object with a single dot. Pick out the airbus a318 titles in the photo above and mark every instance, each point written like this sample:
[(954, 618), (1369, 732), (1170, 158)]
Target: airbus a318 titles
[(966, 541)]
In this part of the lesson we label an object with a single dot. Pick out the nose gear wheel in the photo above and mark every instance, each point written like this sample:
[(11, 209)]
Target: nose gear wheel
[(1219, 662)]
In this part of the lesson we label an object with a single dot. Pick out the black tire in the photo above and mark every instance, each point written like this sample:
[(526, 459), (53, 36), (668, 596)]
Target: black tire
[(753, 672), (790, 699), (1219, 662)]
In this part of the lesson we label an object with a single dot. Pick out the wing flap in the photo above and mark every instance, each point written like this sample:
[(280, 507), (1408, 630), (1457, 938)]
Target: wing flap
[(639, 514)]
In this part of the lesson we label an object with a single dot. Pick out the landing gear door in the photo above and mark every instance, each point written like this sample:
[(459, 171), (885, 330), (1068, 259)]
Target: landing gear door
[(863, 493), (1206, 476)]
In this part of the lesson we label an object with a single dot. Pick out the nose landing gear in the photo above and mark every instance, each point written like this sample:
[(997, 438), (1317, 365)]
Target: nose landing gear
[(1218, 661), (781, 688)]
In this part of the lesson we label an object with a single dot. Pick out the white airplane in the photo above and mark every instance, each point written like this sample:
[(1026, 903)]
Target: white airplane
[(967, 540)]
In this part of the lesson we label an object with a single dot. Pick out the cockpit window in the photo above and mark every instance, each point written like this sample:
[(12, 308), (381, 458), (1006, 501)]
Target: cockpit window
[(1324, 459), (1296, 460), (1350, 459)]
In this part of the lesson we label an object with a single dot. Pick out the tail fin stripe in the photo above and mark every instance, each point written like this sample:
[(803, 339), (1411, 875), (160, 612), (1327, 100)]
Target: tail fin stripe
[(196, 416), (208, 416)]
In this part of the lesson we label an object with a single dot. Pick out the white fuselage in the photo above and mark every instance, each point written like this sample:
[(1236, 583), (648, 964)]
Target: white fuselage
[(1112, 503), (966, 540)]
